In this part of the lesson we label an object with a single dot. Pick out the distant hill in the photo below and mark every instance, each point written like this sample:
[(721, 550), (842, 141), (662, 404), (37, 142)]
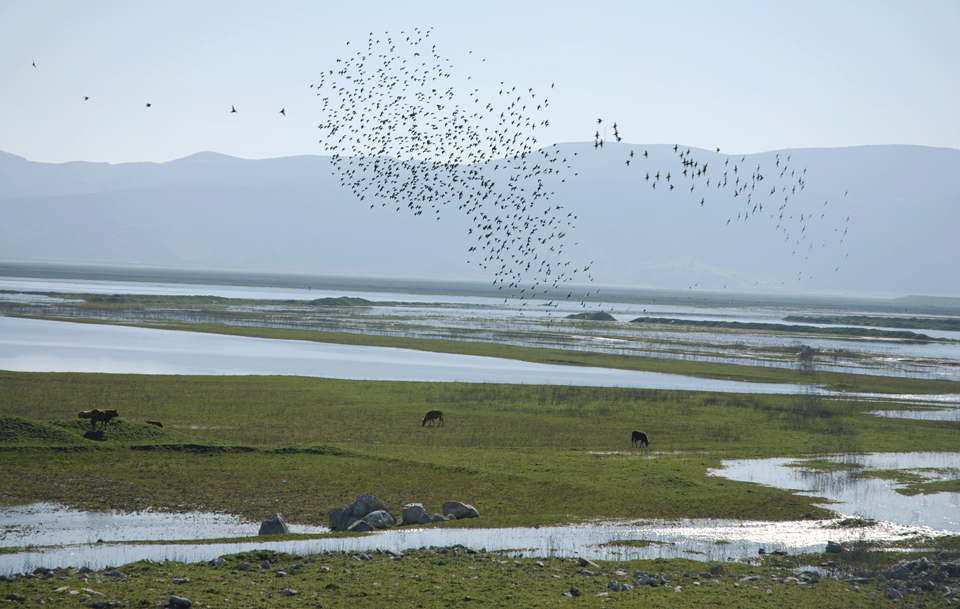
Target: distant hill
[(211, 211)]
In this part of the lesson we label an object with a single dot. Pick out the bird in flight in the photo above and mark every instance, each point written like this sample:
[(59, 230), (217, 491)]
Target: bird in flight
[(34, 64), (148, 105), (86, 97), (233, 110), (283, 111)]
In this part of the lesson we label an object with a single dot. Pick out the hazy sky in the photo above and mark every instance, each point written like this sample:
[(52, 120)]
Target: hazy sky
[(747, 77)]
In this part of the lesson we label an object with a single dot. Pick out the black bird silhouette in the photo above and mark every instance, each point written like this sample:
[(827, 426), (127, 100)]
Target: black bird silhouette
[(233, 110), (283, 111)]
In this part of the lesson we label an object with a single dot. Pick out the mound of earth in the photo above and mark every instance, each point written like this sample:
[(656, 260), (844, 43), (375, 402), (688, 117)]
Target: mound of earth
[(598, 316)]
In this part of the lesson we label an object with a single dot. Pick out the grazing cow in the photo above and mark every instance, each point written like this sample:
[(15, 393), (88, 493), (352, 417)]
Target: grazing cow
[(433, 415), (638, 437), (98, 416), (155, 423)]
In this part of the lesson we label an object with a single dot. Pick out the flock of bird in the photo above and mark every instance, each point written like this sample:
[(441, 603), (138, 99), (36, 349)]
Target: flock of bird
[(400, 135), (734, 180)]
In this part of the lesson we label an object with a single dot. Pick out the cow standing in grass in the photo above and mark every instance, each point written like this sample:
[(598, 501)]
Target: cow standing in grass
[(638, 437), (98, 416), (433, 415)]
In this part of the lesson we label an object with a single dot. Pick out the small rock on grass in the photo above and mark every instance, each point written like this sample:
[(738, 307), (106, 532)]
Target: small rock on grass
[(177, 602)]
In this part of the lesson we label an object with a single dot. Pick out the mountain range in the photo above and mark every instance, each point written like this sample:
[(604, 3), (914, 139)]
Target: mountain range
[(899, 205)]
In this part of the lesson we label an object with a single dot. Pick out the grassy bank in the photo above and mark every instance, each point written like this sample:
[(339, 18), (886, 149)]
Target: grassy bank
[(522, 455), (446, 577)]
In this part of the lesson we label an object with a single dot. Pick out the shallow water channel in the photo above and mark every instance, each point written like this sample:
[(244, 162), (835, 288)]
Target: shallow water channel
[(851, 485), (70, 534)]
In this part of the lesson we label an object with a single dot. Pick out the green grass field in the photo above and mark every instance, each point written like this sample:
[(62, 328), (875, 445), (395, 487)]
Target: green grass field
[(522, 455)]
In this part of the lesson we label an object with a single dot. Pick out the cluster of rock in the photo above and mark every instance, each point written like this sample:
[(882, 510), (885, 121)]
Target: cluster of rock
[(368, 513), (934, 574), (588, 568)]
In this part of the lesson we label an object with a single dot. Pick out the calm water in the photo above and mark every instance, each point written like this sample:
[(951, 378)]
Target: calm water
[(695, 539), (850, 492), (31, 345)]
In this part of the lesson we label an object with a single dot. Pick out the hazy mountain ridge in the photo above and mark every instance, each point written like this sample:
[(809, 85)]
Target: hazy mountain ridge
[(291, 215)]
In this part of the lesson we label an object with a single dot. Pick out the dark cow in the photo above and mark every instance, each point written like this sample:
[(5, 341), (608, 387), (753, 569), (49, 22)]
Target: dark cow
[(638, 437), (98, 416), (433, 415), (155, 423)]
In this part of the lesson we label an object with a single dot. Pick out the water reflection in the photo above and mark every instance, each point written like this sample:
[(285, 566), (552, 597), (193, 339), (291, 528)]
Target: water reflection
[(851, 489), (31, 345), (696, 539)]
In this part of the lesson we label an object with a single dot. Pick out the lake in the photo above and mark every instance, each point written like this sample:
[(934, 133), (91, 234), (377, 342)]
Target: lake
[(31, 345)]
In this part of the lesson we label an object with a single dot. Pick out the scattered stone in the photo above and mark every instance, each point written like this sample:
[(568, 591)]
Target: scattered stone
[(717, 570), (834, 547), (894, 593), (438, 518), (84, 569), (16, 598), (572, 592), (265, 564), (243, 566), (177, 602), (426, 519), (289, 592), (180, 580), (459, 510), (114, 574), (275, 525), (216, 562), (643, 580), (587, 563), (413, 513)]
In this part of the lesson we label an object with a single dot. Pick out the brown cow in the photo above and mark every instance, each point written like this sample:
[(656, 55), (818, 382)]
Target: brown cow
[(638, 437), (155, 423), (98, 416), (433, 415)]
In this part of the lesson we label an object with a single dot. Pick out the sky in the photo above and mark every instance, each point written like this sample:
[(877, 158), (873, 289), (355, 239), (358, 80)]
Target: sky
[(746, 77)]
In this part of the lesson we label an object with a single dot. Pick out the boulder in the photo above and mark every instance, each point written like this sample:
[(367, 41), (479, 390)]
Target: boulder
[(360, 526), (460, 510), (437, 518), (363, 505), (717, 570), (335, 517), (380, 519), (412, 513), (177, 602), (426, 519), (275, 525), (834, 547)]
